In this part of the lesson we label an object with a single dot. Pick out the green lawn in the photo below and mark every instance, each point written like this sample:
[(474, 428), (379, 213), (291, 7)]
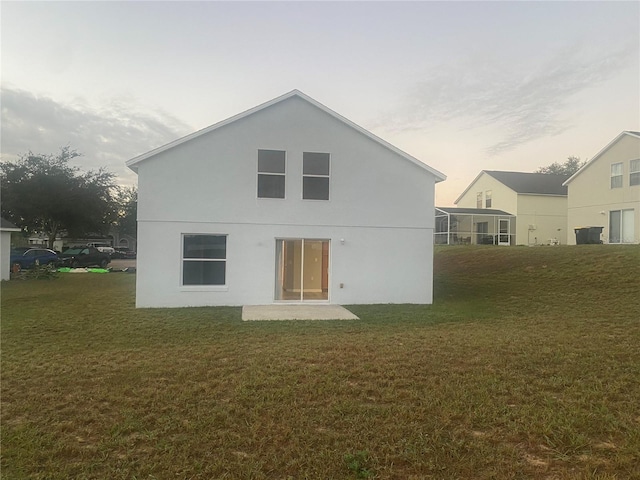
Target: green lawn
[(526, 366)]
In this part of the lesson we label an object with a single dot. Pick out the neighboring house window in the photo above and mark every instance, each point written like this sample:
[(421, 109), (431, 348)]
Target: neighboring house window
[(616, 175), (315, 176), (621, 226), (204, 259), (634, 172), (479, 200), (271, 173), (487, 199)]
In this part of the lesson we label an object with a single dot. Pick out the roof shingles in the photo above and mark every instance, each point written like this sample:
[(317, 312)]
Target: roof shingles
[(7, 225), (531, 183)]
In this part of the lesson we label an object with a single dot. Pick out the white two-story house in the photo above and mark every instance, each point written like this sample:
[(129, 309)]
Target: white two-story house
[(605, 192), (286, 202)]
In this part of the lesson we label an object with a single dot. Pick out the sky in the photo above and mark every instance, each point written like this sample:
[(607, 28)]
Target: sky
[(462, 86)]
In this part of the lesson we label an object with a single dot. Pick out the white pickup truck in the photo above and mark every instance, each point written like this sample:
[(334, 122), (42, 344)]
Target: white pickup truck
[(102, 247)]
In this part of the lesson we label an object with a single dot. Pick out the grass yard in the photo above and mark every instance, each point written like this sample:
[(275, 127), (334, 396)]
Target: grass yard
[(526, 366)]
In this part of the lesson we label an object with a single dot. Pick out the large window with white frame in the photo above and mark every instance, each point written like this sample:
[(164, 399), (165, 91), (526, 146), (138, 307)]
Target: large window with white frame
[(271, 173), (479, 200), (204, 259), (487, 199), (634, 172), (616, 175), (315, 175), (621, 226)]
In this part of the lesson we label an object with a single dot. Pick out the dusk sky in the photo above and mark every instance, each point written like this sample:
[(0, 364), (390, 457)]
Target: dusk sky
[(462, 86)]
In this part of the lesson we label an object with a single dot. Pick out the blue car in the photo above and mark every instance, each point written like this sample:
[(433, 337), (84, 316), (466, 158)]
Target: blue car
[(24, 259)]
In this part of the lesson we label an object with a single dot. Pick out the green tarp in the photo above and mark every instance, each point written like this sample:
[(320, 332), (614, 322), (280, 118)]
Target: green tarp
[(90, 270)]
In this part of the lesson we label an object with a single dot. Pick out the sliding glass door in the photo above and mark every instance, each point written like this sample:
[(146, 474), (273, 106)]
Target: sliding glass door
[(302, 270)]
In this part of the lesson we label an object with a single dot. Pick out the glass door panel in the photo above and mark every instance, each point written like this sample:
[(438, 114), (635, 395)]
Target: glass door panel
[(288, 271), (302, 270), (627, 226), (314, 269), (503, 234)]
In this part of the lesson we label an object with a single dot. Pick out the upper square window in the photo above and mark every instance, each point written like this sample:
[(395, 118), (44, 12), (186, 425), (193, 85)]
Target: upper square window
[(315, 176), (271, 173), (634, 172), (616, 175)]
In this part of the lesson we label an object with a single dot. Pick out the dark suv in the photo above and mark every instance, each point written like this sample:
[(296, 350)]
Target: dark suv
[(84, 257)]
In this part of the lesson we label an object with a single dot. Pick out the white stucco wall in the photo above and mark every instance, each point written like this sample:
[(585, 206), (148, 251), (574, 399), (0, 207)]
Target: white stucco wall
[(5, 255), (591, 197), (375, 265), (380, 203)]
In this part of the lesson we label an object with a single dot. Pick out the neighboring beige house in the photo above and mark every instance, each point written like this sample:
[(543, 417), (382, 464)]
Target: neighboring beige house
[(537, 200), (605, 192), (6, 227)]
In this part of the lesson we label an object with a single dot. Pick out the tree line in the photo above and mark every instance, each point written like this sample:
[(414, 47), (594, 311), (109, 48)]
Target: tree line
[(569, 167), (43, 193)]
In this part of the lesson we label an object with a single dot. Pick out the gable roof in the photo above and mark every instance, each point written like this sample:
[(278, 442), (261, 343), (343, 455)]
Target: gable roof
[(532, 183), (7, 226), (526, 183), (600, 153), (132, 164)]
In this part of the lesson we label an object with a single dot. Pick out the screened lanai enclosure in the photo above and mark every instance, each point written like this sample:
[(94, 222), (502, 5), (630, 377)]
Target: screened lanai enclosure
[(474, 226)]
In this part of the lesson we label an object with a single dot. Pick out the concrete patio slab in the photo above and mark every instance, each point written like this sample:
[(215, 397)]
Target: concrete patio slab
[(296, 312)]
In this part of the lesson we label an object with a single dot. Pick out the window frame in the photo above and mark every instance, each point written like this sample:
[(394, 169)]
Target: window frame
[(617, 176), (204, 286), (479, 200), (314, 175), (271, 174), (488, 200), (634, 175), (621, 225)]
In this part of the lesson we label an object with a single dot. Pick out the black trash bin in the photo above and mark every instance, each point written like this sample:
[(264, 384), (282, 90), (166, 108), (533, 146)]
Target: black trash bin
[(588, 235), (594, 234), (582, 235)]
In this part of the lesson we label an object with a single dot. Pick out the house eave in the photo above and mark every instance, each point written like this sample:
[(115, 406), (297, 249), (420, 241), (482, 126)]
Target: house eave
[(598, 155), (133, 163), (493, 213), (469, 187), (7, 226), (543, 194)]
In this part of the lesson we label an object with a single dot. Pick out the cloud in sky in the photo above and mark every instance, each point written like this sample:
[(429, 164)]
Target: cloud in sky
[(522, 101), (106, 136)]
